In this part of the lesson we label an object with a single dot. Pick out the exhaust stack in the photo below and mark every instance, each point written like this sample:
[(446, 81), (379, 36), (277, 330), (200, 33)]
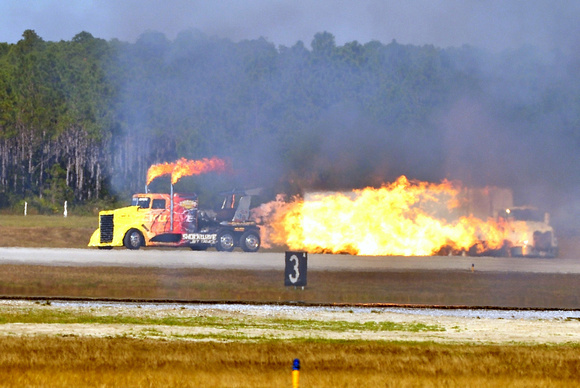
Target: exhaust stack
[(171, 207)]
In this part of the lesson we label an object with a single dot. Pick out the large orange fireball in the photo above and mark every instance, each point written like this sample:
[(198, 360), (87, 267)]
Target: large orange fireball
[(405, 218)]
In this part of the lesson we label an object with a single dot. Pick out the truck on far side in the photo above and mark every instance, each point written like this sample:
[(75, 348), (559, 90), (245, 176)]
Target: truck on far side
[(531, 234), (528, 232)]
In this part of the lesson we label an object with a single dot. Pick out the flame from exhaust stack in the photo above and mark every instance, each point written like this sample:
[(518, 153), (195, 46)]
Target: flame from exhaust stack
[(402, 218), (158, 170), (184, 167)]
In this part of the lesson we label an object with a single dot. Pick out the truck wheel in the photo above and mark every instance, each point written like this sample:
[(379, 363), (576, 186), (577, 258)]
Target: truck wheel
[(133, 239), (225, 241), (250, 241)]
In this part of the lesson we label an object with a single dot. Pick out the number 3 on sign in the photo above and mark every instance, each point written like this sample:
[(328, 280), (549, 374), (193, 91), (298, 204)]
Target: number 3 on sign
[(294, 277), (295, 271)]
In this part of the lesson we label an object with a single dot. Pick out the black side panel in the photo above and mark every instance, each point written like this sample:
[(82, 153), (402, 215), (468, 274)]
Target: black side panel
[(107, 226), (167, 238)]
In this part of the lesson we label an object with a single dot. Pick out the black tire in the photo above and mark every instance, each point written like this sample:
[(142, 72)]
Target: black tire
[(250, 241), (133, 239), (225, 241)]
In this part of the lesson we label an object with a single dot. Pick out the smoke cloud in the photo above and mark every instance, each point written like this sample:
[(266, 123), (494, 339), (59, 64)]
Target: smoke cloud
[(469, 138), (489, 24)]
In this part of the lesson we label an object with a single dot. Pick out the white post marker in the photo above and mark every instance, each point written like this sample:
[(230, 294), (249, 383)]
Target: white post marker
[(25, 207), (65, 212)]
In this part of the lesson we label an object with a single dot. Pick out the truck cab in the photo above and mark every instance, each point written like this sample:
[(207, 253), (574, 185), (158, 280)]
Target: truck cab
[(530, 232), (174, 220)]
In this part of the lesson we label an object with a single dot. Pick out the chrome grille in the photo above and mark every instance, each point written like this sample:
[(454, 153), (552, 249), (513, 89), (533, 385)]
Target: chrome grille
[(106, 225)]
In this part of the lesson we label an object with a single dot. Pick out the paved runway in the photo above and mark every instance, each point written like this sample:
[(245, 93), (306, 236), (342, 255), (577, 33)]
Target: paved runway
[(184, 258)]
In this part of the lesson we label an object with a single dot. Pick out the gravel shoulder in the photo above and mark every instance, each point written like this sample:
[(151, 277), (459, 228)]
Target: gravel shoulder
[(262, 323)]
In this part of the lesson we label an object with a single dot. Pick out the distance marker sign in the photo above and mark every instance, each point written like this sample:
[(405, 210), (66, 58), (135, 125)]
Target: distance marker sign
[(295, 271)]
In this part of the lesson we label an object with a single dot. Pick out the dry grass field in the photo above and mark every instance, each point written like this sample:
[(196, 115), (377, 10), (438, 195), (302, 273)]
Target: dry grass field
[(122, 362), (42, 344), (534, 290), (46, 231), (60, 358)]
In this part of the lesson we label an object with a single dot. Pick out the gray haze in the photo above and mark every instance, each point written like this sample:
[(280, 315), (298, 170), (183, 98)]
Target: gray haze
[(489, 24), (478, 147)]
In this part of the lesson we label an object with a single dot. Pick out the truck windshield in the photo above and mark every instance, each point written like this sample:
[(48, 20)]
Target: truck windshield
[(158, 204), (142, 202), (525, 215)]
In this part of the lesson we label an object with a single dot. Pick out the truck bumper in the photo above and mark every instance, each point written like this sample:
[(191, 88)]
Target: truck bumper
[(95, 239), (530, 251)]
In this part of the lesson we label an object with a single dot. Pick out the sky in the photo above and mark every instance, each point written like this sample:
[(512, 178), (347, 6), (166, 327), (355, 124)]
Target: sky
[(489, 24)]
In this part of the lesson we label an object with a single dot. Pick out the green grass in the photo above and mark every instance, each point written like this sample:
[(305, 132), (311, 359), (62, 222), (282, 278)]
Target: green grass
[(342, 326), (49, 314)]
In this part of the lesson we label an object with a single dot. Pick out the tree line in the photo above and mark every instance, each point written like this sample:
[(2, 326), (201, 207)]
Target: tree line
[(82, 120)]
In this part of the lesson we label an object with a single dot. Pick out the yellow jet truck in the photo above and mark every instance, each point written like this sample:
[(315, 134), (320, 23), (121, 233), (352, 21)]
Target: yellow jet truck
[(174, 220)]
